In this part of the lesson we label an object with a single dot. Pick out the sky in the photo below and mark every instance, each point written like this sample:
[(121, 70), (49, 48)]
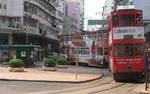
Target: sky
[(93, 9)]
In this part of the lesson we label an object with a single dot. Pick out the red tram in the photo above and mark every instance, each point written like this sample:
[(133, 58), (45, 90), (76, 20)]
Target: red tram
[(126, 44)]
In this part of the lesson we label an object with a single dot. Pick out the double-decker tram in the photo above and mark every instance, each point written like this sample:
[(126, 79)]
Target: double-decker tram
[(92, 52), (126, 44)]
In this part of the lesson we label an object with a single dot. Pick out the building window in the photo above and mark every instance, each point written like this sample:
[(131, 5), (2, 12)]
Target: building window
[(131, 3), (0, 6), (5, 6)]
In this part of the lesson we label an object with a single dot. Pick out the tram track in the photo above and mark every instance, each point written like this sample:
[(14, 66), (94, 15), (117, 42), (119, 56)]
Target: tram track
[(92, 90), (85, 86), (102, 81), (107, 89), (106, 83)]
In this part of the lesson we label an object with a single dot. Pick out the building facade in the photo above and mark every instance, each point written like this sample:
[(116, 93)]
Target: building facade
[(81, 4), (60, 14), (31, 22), (73, 16), (34, 18), (107, 8)]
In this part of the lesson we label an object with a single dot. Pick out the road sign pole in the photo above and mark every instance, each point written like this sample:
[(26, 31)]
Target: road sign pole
[(77, 41), (77, 65)]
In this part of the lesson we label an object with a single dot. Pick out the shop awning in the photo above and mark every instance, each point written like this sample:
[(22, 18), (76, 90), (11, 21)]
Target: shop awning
[(22, 46)]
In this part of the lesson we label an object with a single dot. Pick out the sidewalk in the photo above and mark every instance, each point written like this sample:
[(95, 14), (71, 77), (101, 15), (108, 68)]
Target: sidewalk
[(141, 90), (36, 74)]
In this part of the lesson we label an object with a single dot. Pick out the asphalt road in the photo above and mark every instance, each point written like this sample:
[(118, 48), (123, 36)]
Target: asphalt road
[(106, 85)]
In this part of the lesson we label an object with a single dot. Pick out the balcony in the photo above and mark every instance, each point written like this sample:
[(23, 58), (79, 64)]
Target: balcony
[(11, 27)]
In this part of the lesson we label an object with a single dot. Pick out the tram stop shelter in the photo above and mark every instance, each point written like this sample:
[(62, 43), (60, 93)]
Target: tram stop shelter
[(26, 53)]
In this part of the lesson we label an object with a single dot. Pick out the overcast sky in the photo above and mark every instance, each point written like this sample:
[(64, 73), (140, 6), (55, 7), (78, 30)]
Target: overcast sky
[(93, 9)]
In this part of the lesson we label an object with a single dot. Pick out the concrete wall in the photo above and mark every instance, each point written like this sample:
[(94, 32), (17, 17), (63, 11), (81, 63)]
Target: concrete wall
[(11, 7)]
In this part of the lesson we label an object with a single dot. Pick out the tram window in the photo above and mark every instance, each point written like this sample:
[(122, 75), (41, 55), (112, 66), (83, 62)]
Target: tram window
[(115, 20), (118, 50), (139, 19), (100, 51), (139, 50), (127, 20), (129, 50)]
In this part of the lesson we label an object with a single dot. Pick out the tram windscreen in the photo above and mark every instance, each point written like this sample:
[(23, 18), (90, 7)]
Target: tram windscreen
[(118, 50), (127, 20), (115, 20), (129, 50)]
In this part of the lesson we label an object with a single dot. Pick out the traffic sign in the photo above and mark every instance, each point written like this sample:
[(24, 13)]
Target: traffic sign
[(77, 39)]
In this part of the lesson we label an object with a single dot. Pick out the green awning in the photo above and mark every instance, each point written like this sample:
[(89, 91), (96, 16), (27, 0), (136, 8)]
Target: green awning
[(21, 46)]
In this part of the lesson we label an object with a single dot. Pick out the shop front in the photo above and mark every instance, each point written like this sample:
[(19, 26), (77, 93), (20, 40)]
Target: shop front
[(27, 53)]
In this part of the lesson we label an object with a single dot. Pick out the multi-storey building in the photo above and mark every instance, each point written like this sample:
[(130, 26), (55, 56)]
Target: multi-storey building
[(36, 18), (60, 14), (31, 22), (107, 8), (81, 4), (73, 15)]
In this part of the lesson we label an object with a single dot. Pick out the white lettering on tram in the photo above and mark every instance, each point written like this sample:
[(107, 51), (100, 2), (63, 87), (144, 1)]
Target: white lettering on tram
[(128, 61), (136, 32)]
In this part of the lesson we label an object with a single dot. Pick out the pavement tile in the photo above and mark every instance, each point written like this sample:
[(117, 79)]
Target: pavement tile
[(141, 90)]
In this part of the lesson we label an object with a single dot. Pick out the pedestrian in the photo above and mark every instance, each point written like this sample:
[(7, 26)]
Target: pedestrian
[(105, 63)]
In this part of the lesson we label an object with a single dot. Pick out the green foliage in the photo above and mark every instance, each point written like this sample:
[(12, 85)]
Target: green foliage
[(16, 63), (55, 58), (62, 61), (48, 62)]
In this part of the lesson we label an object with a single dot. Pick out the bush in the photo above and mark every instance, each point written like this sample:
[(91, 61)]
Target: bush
[(48, 62), (62, 61), (55, 58), (16, 63)]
